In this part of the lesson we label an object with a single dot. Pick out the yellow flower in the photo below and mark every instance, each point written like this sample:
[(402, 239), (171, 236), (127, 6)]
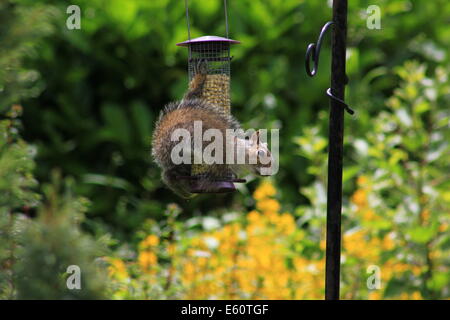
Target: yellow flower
[(171, 249), (147, 260), (287, 223), (360, 198), (354, 245), (404, 296), (400, 267), (268, 205), (375, 295), (416, 270), (117, 269), (435, 254), (253, 216), (388, 242), (323, 244), (151, 241), (370, 215), (265, 190), (425, 215), (362, 181), (416, 296)]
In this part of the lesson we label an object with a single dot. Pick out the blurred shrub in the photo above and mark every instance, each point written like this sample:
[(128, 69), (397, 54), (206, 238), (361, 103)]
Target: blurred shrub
[(16, 195), (22, 26), (102, 88), (34, 254), (17, 183), (398, 216), (52, 243)]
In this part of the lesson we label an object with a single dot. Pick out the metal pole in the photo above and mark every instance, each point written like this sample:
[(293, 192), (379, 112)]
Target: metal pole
[(226, 17), (335, 151), (186, 4)]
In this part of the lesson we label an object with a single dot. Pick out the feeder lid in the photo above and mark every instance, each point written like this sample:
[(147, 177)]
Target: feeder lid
[(207, 39)]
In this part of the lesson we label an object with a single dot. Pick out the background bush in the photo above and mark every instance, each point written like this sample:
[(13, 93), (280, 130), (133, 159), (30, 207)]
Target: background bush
[(90, 97)]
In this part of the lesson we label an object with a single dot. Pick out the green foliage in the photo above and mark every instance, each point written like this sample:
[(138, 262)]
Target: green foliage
[(403, 171), (54, 242), (109, 80), (90, 98), (34, 254), (18, 40), (17, 183), (16, 167), (16, 195), (150, 272)]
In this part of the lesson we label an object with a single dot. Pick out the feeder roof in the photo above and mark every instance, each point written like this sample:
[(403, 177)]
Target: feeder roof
[(207, 39)]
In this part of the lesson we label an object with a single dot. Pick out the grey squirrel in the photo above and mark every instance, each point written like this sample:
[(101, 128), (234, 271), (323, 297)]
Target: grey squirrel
[(181, 115)]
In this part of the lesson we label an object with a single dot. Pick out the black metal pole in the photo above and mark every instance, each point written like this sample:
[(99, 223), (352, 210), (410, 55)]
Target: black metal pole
[(335, 151)]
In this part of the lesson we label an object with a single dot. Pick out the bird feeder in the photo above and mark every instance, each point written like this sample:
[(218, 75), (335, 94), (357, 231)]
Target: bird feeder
[(215, 51)]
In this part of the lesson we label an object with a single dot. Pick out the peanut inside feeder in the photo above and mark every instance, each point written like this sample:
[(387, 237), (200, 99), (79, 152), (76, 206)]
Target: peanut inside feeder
[(217, 90)]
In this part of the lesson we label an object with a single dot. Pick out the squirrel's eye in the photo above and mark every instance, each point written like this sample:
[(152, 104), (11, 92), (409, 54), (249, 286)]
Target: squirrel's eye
[(261, 153)]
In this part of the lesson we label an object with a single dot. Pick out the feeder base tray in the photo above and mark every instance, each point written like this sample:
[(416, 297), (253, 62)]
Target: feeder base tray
[(201, 185), (212, 186)]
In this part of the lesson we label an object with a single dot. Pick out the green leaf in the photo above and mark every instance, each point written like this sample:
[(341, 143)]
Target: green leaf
[(142, 119), (106, 181), (350, 172), (422, 234), (116, 124)]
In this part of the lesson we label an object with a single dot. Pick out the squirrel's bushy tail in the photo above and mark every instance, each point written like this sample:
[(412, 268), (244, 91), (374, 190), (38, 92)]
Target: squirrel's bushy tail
[(197, 83)]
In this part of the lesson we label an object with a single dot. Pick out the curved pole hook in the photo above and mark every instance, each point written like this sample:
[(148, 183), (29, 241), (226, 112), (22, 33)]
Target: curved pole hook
[(313, 53)]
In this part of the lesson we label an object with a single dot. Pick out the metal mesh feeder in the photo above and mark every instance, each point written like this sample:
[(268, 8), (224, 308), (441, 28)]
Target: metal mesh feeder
[(216, 91), (216, 52)]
